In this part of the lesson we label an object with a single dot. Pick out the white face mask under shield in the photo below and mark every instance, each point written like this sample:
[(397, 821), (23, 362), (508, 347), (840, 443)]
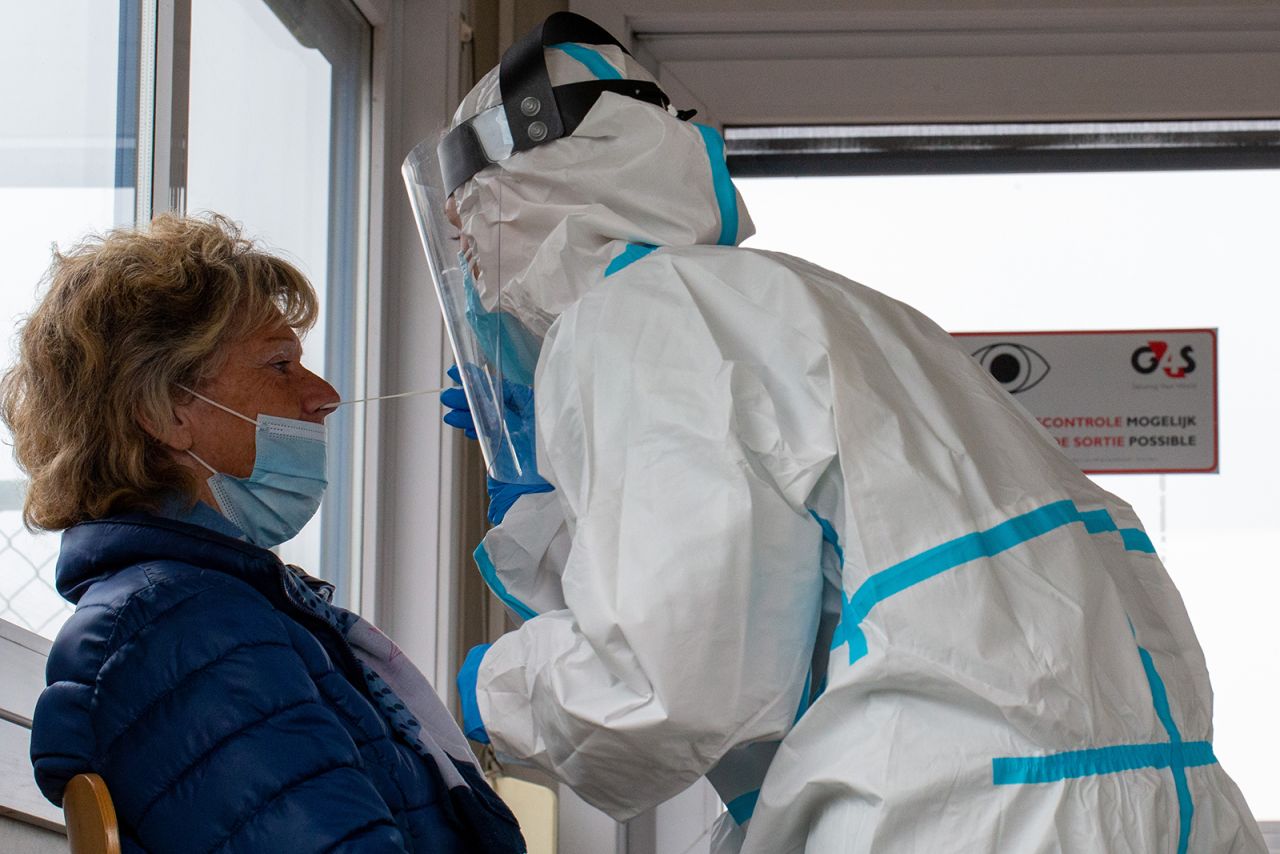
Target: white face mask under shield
[(284, 489)]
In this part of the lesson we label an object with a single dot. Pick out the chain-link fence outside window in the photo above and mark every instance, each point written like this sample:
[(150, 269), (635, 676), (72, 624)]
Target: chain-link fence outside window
[(67, 169), (27, 560)]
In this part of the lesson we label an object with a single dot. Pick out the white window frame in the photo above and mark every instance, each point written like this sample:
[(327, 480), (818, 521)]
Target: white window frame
[(412, 558)]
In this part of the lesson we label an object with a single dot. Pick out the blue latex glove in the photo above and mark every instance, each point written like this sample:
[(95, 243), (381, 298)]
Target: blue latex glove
[(517, 400), (459, 414), (519, 412), (503, 495), (472, 725)]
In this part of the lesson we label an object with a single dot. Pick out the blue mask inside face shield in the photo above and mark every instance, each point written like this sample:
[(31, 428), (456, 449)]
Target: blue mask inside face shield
[(505, 342), (504, 339), (495, 353)]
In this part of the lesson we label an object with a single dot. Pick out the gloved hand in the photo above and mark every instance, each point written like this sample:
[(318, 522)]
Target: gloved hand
[(459, 414), (517, 403), (502, 495), (472, 725), (518, 408)]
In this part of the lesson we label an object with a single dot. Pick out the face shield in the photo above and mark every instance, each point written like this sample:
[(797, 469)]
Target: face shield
[(495, 353)]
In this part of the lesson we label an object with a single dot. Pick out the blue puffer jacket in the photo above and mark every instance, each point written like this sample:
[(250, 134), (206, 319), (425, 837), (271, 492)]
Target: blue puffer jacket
[(223, 717)]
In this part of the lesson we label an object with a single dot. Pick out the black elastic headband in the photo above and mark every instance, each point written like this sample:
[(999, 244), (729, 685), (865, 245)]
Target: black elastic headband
[(526, 85), (537, 112)]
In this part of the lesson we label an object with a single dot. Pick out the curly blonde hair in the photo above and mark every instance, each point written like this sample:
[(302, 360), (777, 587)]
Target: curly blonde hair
[(128, 316)]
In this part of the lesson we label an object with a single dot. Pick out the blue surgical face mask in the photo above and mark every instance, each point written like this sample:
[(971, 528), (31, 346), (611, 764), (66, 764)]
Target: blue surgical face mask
[(284, 489), (502, 337)]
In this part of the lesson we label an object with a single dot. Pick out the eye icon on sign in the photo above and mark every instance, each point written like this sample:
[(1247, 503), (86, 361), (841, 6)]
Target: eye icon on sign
[(1015, 366)]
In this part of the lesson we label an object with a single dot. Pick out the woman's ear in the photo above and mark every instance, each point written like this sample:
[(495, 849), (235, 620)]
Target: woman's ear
[(175, 433)]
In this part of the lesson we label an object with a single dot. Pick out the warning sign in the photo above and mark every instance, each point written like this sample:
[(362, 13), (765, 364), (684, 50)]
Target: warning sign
[(1116, 402)]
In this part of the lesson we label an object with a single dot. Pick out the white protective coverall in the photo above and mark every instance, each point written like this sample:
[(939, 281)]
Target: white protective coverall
[(803, 544)]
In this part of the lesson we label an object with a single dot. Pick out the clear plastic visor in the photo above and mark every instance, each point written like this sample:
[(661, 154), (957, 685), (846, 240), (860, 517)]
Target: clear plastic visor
[(495, 354)]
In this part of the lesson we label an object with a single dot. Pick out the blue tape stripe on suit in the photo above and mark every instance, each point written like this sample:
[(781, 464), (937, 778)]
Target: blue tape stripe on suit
[(726, 197), (1100, 760), (1161, 700), (743, 806), (962, 550), (633, 253), (1175, 755), (490, 573), (594, 62)]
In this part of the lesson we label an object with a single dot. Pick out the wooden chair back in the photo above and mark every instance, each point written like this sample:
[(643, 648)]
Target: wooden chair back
[(90, 816)]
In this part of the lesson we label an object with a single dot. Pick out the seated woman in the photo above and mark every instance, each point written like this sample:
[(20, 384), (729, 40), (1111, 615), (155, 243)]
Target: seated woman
[(161, 411)]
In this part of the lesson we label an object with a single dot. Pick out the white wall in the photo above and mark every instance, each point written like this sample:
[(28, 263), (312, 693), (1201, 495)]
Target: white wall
[(17, 837), (28, 823), (409, 502)]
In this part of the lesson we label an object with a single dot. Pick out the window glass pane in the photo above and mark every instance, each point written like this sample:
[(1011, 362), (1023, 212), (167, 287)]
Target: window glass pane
[(1107, 251), (259, 152), (65, 146)]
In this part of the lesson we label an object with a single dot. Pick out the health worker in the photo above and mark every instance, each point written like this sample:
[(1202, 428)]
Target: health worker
[(786, 534)]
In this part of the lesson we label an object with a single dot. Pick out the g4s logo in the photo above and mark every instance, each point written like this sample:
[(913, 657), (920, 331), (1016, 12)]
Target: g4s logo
[(1145, 360)]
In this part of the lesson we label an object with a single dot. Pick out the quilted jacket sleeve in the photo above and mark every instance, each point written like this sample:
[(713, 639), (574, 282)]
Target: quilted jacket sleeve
[(194, 701)]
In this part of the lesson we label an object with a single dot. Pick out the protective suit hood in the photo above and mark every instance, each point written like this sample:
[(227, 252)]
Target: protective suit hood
[(548, 223)]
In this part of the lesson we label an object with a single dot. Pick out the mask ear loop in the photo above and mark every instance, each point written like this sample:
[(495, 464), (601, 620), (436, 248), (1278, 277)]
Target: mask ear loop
[(195, 393), (193, 456), (215, 403)]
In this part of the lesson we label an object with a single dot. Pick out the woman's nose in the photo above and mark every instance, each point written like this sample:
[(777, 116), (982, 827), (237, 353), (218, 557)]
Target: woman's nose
[(320, 399)]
